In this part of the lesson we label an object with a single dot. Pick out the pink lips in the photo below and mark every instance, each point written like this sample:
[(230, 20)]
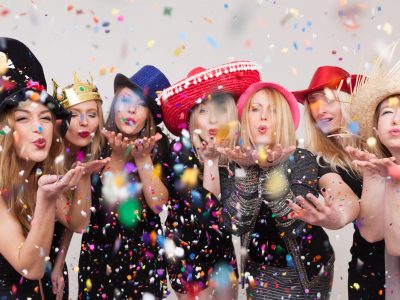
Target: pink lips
[(84, 134), (262, 129), (40, 143), (394, 131), (213, 131), (130, 121)]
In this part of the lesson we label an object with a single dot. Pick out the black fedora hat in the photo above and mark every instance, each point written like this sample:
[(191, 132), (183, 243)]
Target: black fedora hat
[(22, 78)]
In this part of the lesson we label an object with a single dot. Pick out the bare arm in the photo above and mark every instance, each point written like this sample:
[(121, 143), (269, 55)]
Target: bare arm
[(392, 218), (27, 254), (57, 276)]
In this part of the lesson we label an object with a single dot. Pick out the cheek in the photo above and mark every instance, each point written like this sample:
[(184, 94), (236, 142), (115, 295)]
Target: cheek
[(94, 123), (48, 131)]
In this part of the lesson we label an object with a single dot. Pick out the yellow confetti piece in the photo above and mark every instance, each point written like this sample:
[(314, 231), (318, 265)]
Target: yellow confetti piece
[(115, 11), (88, 284), (157, 171), (285, 50), (103, 71), (189, 177), (119, 180), (276, 185), (150, 44), (222, 133), (262, 154), (356, 286), (393, 101), (371, 142), (178, 51), (387, 28), (75, 269)]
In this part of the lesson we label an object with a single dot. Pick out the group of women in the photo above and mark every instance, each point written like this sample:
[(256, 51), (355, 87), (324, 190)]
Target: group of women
[(233, 168)]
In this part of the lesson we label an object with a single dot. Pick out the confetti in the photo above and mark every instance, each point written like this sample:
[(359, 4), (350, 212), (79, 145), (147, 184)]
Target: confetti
[(129, 213), (150, 44), (212, 42), (189, 177), (59, 159), (167, 11), (371, 142)]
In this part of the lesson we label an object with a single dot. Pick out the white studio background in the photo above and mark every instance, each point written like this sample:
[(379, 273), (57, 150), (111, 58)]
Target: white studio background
[(288, 38)]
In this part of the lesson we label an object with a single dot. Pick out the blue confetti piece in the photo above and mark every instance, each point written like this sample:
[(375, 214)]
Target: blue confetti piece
[(354, 127), (182, 35), (226, 5), (178, 168), (40, 128), (295, 46), (289, 261), (212, 42)]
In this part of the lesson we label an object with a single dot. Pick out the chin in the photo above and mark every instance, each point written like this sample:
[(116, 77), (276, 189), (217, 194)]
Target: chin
[(129, 130), (262, 141)]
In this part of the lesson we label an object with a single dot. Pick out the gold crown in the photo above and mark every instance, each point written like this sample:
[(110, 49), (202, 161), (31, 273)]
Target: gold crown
[(76, 93)]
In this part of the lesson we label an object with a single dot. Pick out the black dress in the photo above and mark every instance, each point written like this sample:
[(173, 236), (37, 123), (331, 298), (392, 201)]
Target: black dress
[(119, 262), (15, 286), (367, 266), (55, 246), (194, 225)]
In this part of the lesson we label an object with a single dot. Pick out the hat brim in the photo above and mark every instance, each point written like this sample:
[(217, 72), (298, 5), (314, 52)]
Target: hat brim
[(301, 95), (187, 93), (121, 81), (290, 98)]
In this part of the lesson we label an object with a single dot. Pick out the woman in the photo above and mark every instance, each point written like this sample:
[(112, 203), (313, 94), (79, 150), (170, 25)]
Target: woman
[(328, 131), (122, 258), (286, 258), (83, 141), (201, 110), (31, 202), (377, 97)]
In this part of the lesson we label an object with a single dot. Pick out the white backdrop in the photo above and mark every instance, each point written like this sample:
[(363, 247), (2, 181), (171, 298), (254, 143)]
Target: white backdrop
[(288, 38)]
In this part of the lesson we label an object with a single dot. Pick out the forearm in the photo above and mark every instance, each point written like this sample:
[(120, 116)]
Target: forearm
[(392, 219), (74, 214), (154, 190), (371, 218), (80, 206)]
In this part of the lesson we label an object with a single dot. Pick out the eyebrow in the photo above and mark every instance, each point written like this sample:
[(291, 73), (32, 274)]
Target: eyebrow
[(29, 112)]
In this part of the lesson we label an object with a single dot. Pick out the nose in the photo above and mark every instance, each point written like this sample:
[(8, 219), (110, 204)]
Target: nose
[(322, 107), (83, 120), (37, 126), (264, 114), (132, 109), (396, 117), (213, 117)]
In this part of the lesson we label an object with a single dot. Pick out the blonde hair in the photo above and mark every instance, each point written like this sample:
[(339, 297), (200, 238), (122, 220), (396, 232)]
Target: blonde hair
[(228, 101), (284, 133), (20, 200), (331, 150), (96, 144)]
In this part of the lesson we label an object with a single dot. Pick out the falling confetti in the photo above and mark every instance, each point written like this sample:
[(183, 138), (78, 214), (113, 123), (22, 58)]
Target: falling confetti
[(129, 213)]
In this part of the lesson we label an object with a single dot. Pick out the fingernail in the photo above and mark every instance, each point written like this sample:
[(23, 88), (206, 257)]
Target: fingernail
[(323, 190), (287, 201)]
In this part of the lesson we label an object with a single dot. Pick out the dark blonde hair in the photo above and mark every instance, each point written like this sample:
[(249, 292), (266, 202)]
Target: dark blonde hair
[(22, 201), (96, 144)]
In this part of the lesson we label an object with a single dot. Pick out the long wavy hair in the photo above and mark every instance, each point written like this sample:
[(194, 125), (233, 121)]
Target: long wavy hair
[(21, 197), (331, 150)]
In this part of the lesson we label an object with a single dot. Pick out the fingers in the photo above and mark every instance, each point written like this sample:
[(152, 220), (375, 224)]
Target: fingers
[(314, 200), (54, 286), (48, 179), (327, 196)]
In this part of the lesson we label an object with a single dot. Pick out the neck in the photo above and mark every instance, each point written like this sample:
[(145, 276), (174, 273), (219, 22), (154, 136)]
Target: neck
[(27, 167)]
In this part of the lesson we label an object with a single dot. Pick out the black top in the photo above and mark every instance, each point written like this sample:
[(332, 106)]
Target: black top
[(194, 224), (273, 239), (132, 253), (367, 265)]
